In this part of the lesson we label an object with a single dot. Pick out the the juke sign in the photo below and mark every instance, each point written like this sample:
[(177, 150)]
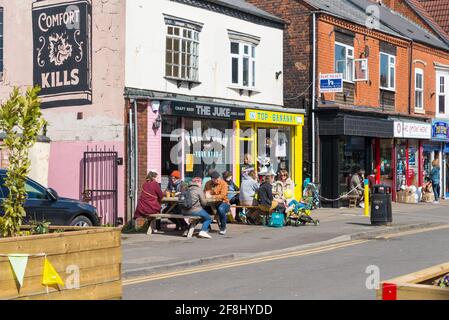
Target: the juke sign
[(62, 52)]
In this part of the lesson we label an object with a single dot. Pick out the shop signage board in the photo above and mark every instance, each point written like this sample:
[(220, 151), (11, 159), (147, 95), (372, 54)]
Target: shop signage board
[(412, 130), (271, 117), (440, 130), (198, 110), (62, 55), (331, 82)]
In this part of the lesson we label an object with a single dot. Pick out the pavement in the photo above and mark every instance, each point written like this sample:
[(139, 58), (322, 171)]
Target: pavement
[(145, 255)]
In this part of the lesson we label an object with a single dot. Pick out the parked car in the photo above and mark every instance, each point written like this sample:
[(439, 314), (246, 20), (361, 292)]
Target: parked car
[(44, 204)]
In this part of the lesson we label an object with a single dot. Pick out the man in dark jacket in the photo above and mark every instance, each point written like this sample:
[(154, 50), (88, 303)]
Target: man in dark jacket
[(266, 193)]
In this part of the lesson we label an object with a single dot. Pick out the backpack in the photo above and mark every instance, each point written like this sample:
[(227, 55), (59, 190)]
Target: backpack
[(185, 200)]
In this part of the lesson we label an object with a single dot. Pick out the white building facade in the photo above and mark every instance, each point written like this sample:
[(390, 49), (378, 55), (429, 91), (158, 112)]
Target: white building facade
[(204, 87)]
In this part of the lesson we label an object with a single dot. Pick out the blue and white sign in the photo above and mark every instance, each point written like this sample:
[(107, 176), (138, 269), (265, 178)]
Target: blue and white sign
[(440, 130), (332, 82)]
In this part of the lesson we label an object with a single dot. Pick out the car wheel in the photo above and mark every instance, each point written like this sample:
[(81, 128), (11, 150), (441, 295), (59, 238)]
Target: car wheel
[(81, 221)]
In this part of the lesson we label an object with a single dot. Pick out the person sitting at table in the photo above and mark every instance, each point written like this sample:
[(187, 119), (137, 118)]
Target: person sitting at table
[(267, 203), (247, 194), (232, 187), (217, 189), (199, 201), (150, 198), (284, 188), (176, 185)]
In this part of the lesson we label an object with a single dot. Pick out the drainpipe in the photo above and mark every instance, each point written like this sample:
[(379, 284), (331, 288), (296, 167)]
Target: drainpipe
[(411, 79), (136, 156), (131, 162), (314, 98)]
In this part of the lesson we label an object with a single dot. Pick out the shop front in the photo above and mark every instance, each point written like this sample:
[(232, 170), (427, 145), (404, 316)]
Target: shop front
[(413, 152), (440, 137), (349, 141), (197, 138), (270, 139)]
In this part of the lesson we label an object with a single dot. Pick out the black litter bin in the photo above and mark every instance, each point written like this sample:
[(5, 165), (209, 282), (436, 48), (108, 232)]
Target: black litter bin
[(381, 212)]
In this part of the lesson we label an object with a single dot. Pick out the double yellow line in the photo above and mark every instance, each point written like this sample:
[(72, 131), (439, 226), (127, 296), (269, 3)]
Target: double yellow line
[(240, 263)]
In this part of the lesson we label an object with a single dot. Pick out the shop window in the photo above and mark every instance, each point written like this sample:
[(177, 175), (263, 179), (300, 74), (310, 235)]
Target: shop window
[(344, 61), (387, 71), (273, 145), (171, 136), (419, 89), (182, 50), (386, 169), (243, 64), (352, 155), (208, 143), (413, 164), (401, 164)]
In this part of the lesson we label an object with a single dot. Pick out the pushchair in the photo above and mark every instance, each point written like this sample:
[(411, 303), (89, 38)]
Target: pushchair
[(313, 190), (301, 214)]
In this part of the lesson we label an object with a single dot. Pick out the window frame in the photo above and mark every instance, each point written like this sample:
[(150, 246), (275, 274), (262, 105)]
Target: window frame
[(191, 69), (439, 93), (347, 57), (241, 56), (390, 65), (419, 71)]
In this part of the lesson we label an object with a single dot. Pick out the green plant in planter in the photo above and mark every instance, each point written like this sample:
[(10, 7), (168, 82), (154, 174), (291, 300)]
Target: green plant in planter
[(40, 227), (21, 120)]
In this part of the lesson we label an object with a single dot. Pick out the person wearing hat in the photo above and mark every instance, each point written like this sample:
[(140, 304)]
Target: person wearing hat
[(199, 201), (218, 190), (175, 185), (175, 182)]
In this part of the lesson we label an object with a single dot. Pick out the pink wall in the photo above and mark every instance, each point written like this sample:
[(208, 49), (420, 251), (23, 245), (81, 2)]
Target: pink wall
[(66, 168), (154, 143)]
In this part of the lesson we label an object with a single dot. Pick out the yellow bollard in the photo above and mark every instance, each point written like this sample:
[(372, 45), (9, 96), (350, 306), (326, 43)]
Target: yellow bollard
[(367, 208)]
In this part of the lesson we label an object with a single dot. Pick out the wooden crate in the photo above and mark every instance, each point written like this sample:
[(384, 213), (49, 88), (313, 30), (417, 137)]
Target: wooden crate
[(95, 251), (418, 285)]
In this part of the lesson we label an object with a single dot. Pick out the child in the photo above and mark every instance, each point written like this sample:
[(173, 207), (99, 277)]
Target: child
[(295, 206)]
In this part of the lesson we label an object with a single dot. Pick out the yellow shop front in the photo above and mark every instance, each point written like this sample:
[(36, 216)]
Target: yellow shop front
[(270, 139)]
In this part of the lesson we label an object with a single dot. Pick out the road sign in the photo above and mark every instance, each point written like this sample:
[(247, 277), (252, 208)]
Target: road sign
[(331, 82)]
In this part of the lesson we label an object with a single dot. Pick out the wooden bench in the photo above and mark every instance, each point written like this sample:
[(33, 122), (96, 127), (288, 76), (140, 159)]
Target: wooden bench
[(193, 222)]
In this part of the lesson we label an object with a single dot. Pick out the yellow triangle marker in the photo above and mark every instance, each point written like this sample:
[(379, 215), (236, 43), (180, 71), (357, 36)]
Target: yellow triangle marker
[(51, 277)]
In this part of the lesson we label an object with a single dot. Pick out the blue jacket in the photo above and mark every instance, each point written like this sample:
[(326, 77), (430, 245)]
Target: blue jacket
[(435, 175)]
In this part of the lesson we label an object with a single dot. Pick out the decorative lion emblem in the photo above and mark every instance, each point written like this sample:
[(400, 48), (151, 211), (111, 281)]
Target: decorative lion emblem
[(60, 50)]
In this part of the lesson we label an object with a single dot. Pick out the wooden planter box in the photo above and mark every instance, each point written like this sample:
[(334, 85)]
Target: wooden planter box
[(419, 285), (95, 251)]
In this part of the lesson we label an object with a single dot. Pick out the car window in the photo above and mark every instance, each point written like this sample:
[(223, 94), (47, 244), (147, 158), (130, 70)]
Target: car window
[(3, 190), (34, 192)]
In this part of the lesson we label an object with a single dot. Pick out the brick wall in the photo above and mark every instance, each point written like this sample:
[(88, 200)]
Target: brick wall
[(142, 136), (424, 58), (366, 93), (297, 56)]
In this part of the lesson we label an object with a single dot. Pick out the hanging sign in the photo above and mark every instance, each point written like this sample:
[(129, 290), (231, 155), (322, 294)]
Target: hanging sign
[(440, 130), (62, 55)]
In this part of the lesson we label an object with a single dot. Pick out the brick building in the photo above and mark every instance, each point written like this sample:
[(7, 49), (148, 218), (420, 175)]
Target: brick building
[(394, 67)]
